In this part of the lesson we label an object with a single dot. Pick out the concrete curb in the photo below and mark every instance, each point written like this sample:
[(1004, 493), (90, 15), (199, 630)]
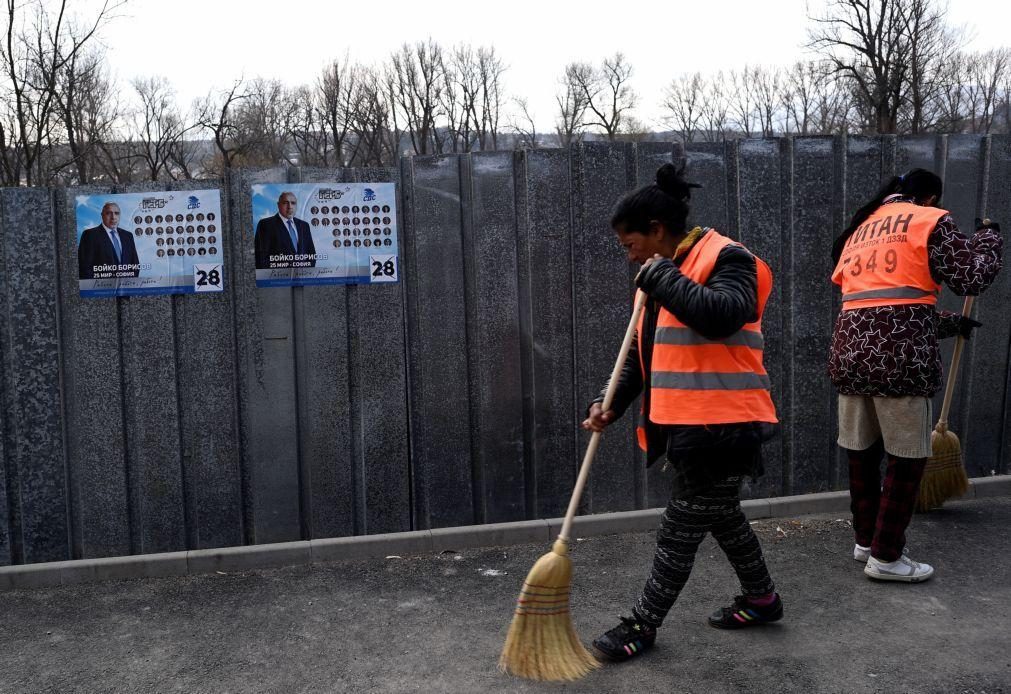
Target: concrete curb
[(202, 561)]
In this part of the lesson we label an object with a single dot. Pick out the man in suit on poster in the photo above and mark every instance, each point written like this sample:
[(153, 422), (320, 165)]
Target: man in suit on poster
[(107, 244), (284, 234)]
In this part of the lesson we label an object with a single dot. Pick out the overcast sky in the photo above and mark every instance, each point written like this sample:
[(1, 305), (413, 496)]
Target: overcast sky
[(201, 44)]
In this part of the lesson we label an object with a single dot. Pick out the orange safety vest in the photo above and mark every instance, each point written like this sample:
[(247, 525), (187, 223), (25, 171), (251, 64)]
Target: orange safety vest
[(699, 381), (885, 263)]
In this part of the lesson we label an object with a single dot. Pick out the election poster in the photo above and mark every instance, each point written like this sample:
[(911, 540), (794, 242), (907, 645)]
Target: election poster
[(324, 233), (137, 244)]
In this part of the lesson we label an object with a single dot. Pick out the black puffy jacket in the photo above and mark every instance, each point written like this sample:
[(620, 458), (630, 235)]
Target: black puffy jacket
[(719, 308)]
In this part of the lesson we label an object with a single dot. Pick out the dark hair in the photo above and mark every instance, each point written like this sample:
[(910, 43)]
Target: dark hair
[(665, 201), (918, 184)]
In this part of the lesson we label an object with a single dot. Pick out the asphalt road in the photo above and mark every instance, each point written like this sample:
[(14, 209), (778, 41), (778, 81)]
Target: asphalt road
[(436, 623)]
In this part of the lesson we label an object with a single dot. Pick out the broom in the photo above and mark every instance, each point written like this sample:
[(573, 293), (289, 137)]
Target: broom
[(944, 477), (542, 644)]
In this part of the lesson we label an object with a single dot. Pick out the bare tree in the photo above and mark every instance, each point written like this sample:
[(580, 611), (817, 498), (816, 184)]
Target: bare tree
[(970, 91), (1005, 99), (87, 119), (304, 127), (116, 161), (184, 156), (377, 132), (264, 123), (634, 130), (524, 126), (606, 92), (932, 44), (985, 72), (338, 88), (157, 125), (418, 74), (868, 42), (833, 103), (490, 72), (799, 96), (768, 98), (572, 107), (217, 112), (455, 110), (742, 100), (715, 109), (472, 98), (460, 98), (35, 50), (950, 97), (684, 103)]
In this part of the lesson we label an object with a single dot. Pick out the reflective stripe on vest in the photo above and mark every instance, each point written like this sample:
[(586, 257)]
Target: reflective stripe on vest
[(697, 380), (687, 336), (885, 262), (709, 380), (896, 293)]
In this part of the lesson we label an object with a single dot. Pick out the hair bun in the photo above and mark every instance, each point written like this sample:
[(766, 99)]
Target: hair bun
[(671, 181)]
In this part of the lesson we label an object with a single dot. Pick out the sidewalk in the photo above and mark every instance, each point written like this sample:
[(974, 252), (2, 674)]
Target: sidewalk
[(436, 623)]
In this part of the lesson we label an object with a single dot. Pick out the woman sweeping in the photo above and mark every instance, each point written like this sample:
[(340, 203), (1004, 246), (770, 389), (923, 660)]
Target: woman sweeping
[(890, 262), (697, 361)]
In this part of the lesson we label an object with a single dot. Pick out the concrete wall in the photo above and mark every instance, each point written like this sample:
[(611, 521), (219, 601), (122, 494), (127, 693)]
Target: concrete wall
[(141, 425)]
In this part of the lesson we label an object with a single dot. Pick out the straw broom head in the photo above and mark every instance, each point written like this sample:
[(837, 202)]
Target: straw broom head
[(542, 644), (944, 476)]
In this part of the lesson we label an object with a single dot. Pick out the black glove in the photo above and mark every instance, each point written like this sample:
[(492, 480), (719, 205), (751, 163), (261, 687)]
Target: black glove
[(646, 275), (965, 326), (987, 224)]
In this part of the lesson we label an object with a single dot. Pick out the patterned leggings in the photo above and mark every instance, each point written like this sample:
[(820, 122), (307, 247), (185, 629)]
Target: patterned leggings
[(683, 526)]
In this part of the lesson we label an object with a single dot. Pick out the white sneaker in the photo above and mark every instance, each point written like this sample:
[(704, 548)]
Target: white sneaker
[(902, 569), (862, 554)]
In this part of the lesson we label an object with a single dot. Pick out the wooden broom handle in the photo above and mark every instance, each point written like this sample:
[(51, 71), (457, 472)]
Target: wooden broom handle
[(591, 448), (956, 356)]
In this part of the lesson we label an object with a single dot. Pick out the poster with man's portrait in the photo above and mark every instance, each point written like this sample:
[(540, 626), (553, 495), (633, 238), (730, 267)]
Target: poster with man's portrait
[(324, 233), (136, 244)]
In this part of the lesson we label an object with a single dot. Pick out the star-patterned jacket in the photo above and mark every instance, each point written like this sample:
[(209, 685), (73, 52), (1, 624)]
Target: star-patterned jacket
[(892, 350)]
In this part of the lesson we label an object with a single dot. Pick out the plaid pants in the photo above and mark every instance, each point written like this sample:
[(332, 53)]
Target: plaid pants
[(881, 514), (683, 526)]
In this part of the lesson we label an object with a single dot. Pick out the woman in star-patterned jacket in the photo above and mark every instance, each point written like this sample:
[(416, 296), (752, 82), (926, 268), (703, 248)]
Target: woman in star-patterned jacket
[(885, 363)]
